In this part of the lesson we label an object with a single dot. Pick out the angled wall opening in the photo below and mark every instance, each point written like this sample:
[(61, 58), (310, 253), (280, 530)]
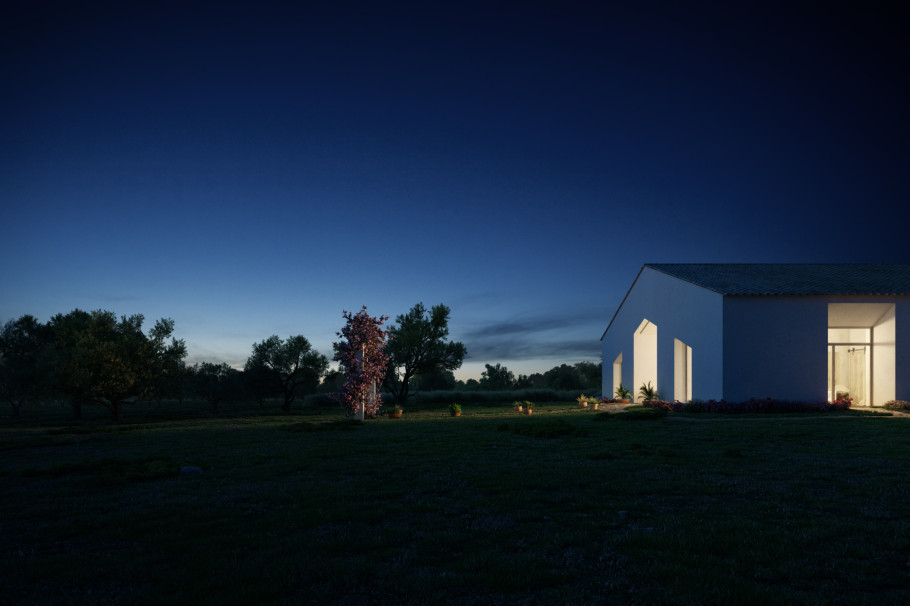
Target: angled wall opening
[(644, 365), (617, 375)]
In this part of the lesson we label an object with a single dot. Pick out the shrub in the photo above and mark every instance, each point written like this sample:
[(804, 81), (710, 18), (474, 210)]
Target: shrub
[(897, 405), (320, 400), (693, 406), (767, 405), (663, 405), (493, 396)]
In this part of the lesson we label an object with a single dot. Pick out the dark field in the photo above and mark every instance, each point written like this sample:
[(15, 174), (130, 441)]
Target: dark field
[(489, 508)]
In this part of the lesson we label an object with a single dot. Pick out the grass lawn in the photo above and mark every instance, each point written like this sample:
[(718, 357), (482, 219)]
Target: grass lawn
[(489, 508)]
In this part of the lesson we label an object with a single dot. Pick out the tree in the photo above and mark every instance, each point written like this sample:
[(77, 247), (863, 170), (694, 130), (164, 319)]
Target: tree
[(564, 377), (21, 375), (589, 373), (261, 381), (417, 345), (472, 385), (435, 381), (497, 378), (214, 383), (285, 366), (533, 381), (361, 353), (101, 360), (332, 381)]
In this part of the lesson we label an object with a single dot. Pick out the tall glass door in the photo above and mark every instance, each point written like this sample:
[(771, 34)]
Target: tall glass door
[(848, 373)]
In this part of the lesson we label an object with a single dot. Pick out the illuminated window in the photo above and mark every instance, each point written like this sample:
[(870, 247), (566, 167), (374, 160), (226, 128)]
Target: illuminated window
[(644, 367)]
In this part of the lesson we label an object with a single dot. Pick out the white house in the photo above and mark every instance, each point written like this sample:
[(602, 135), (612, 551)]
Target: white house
[(808, 332)]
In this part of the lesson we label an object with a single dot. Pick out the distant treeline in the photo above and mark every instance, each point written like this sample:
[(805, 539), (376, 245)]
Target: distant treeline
[(96, 358), (498, 378)]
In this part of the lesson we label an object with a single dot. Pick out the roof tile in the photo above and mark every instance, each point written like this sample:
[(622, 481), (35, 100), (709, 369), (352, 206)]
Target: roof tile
[(793, 278)]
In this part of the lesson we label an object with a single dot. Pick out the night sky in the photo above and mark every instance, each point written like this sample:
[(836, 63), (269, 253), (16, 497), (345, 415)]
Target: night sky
[(255, 169)]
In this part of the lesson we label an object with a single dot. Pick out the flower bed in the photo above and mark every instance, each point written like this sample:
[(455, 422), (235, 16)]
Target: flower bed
[(768, 405), (897, 405)]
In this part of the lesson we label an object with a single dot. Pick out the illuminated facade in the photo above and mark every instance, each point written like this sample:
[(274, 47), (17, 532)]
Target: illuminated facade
[(809, 332)]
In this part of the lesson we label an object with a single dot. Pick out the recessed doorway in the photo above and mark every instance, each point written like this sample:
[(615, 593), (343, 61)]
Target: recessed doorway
[(861, 339)]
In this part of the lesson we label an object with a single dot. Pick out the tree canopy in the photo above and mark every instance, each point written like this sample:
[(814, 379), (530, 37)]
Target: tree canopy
[(496, 377), (214, 383), (98, 359), (21, 358), (285, 366), (417, 345)]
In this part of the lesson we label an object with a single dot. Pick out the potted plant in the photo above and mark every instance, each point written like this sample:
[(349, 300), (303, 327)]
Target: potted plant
[(529, 407), (394, 412), (518, 406), (582, 400), (648, 393), (623, 394), (455, 410)]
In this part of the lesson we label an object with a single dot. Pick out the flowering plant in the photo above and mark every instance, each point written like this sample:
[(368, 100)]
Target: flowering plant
[(362, 356), (753, 405)]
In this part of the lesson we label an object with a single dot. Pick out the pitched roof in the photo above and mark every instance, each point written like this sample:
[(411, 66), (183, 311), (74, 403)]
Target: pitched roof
[(793, 278)]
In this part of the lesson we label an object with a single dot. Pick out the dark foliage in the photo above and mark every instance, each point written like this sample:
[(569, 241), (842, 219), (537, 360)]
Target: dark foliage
[(897, 405), (417, 345)]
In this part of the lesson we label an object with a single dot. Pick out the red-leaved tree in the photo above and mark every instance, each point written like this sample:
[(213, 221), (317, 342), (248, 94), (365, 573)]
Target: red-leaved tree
[(363, 359)]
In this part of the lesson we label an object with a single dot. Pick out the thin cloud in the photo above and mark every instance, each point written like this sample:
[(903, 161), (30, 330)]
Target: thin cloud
[(538, 324), (539, 337), (527, 349)]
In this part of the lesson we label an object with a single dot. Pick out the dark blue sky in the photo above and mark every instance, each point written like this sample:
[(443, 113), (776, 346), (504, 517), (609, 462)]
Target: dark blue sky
[(254, 169)]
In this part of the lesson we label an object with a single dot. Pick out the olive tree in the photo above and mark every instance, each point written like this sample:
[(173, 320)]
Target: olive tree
[(22, 377), (283, 367), (102, 360), (417, 345)]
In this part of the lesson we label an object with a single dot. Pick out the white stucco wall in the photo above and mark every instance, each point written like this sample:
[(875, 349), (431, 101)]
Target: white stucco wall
[(884, 350), (775, 347), (747, 346), (902, 353), (680, 310)]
